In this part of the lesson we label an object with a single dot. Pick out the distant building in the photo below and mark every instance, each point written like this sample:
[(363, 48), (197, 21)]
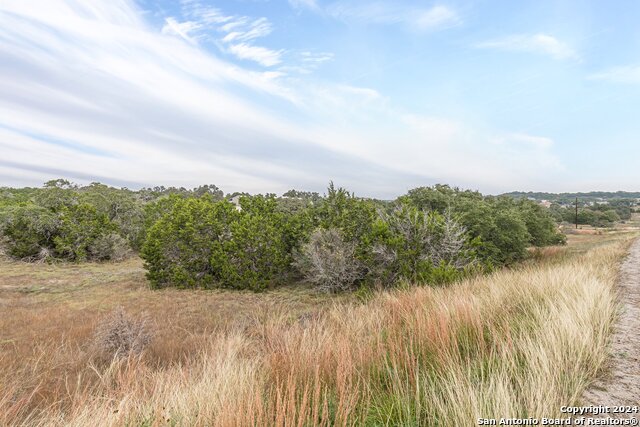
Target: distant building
[(236, 202), (545, 203)]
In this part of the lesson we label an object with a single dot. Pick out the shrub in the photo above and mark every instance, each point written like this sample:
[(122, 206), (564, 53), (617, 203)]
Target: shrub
[(180, 246), (28, 231), (540, 224), (419, 246), (109, 247), (121, 206), (202, 243), (81, 227), (256, 252), (119, 334), (328, 262), (503, 227)]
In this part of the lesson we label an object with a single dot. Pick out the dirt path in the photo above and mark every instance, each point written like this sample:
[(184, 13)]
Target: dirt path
[(622, 385)]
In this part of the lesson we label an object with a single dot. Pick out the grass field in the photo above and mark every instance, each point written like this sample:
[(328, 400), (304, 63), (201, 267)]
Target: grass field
[(515, 343)]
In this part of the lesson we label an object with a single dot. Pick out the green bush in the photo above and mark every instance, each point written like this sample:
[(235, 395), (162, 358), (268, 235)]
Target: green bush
[(180, 245), (202, 243), (257, 253), (354, 218), (28, 231), (81, 228), (503, 227), (420, 247)]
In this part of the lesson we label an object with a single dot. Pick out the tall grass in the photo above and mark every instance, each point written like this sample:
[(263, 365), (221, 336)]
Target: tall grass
[(517, 343)]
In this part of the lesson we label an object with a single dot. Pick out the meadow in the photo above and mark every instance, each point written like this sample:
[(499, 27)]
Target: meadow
[(519, 342)]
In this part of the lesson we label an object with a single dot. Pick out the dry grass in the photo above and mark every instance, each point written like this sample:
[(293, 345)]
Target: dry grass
[(516, 343)]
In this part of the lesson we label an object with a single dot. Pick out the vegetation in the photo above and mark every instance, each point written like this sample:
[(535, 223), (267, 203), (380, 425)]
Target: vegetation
[(91, 343), (201, 239), (568, 198), (594, 214), (519, 342)]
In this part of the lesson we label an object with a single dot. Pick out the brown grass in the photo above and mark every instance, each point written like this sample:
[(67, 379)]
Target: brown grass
[(516, 343)]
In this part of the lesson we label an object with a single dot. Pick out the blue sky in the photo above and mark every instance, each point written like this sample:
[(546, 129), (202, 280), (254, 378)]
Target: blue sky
[(267, 95)]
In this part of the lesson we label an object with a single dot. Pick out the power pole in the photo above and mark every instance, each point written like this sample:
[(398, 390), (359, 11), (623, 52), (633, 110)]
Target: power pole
[(576, 213)]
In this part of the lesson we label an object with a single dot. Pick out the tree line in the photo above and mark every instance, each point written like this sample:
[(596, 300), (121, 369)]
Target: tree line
[(594, 214), (202, 238)]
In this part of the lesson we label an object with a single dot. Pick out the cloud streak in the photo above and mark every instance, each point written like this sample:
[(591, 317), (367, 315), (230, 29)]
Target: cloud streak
[(540, 43), (395, 13), (623, 74), (235, 34), (89, 89)]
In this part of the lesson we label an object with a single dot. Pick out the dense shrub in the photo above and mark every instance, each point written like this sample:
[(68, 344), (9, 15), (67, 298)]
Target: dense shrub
[(328, 262), (121, 206), (256, 252), (198, 238), (203, 243), (352, 216), (420, 246), (503, 226), (82, 227), (181, 244), (111, 247), (28, 231), (540, 224)]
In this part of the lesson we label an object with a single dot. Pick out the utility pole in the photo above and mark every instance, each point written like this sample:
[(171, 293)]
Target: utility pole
[(576, 213)]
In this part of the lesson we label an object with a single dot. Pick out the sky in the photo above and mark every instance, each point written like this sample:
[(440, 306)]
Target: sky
[(378, 96)]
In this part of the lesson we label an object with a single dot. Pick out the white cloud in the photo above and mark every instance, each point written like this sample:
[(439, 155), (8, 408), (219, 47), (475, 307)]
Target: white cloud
[(238, 32), (316, 58), (537, 43), (436, 17), (261, 55), (302, 4), (90, 91), (383, 12), (182, 29), (623, 74), (246, 31)]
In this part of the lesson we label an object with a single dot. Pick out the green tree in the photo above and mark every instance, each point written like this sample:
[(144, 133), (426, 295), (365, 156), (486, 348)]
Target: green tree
[(28, 231), (180, 245), (80, 227)]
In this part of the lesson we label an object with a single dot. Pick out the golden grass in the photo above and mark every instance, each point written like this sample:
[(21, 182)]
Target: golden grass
[(517, 343)]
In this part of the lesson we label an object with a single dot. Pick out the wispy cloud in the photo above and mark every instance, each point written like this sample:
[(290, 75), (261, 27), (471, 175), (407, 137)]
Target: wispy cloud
[(622, 74), (261, 55), (382, 12), (235, 34), (247, 31), (89, 89), (302, 4), (182, 29), (540, 43)]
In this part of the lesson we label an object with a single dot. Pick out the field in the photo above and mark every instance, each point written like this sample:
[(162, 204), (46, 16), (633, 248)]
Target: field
[(518, 342)]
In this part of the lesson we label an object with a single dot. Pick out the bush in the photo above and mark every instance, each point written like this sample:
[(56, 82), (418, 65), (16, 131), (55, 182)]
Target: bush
[(328, 262), (540, 224), (109, 247), (256, 253), (202, 243), (353, 217), (121, 206), (503, 228), (29, 232), (419, 246), (82, 227), (179, 247), (119, 335)]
